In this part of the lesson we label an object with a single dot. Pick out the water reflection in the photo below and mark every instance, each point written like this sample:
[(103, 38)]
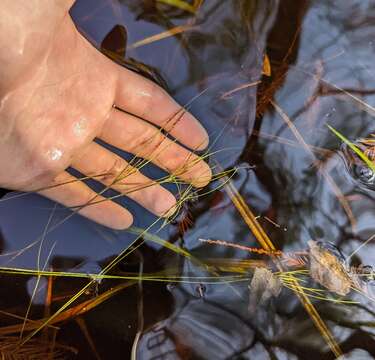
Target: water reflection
[(293, 174), (195, 334)]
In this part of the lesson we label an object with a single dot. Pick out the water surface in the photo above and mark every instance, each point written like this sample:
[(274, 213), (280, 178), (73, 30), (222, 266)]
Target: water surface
[(291, 172)]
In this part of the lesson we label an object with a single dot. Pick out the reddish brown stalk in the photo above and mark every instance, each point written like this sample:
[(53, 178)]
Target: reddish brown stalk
[(242, 247), (82, 325)]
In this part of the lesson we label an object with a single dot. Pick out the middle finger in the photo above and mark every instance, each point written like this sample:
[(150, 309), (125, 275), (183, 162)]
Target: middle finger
[(136, 136)]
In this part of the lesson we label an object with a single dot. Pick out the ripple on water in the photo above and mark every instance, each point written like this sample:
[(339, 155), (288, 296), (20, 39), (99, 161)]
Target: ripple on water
[(358, 170)]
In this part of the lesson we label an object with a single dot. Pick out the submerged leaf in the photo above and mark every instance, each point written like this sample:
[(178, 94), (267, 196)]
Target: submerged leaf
[(328, 270), (266, 66), (263, 286), (114, 43)]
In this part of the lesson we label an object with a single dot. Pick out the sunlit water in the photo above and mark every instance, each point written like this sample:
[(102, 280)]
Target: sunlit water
[(323, 72)]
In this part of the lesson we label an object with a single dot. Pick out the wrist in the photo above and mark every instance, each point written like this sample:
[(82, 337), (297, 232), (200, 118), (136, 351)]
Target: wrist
[(26, 32)]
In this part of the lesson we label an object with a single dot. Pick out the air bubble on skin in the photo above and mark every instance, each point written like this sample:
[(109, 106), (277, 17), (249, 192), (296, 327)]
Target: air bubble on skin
[(54, 154), (79, 127)]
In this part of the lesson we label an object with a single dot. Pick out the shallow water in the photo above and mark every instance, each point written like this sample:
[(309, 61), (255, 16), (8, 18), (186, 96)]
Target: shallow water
[(295, 177)]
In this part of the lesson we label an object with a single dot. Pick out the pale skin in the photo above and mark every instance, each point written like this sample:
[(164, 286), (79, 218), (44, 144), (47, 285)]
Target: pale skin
[(57, 94)]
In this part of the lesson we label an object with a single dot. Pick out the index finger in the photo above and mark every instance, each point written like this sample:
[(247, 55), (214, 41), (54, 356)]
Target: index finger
[(144, 99)]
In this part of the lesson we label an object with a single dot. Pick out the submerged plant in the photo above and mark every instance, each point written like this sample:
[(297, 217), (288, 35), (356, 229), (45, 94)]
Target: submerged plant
[(263, 286), (323, 260), (328, 268)]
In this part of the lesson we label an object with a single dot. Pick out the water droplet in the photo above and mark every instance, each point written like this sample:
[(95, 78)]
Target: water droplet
[(54, 154), (201, 290), (171, 286), (364, 174)]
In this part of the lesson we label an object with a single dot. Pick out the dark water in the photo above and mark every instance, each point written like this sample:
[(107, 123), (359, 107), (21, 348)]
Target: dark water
[(300, 183)]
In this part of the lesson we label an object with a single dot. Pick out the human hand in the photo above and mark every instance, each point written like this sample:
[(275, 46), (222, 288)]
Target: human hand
[(57, 94)]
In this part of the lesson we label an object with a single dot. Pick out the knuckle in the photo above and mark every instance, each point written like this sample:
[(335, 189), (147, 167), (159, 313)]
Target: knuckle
[(176, 162), (115, 172), (146, 141)]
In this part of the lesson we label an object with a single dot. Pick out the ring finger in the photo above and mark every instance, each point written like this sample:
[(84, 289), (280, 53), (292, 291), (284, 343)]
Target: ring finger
[(124, 178)]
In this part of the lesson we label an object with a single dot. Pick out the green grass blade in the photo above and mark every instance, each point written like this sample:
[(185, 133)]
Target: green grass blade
[(158, 240), (354, 148), (180, 4)]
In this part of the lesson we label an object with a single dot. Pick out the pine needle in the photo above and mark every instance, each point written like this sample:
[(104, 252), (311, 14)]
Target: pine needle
[(163, 35), (180, 4)]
